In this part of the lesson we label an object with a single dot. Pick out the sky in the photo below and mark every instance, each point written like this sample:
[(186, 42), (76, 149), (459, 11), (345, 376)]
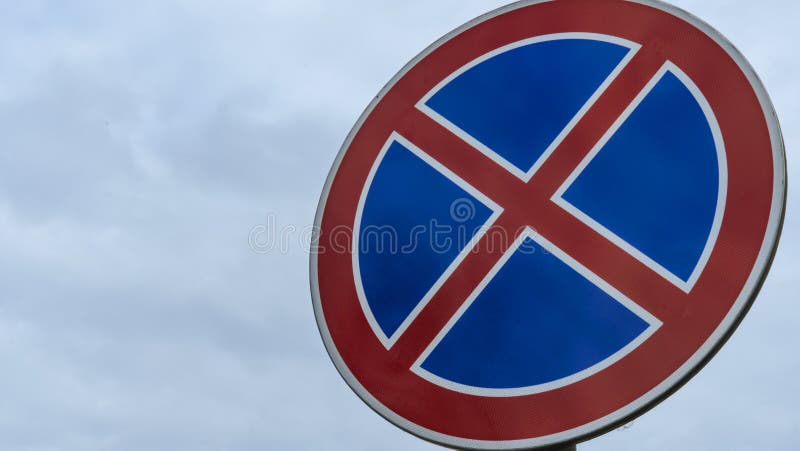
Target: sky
[(146, 148)]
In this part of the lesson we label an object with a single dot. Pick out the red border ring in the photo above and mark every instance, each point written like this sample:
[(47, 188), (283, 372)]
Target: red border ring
[(513, 437)]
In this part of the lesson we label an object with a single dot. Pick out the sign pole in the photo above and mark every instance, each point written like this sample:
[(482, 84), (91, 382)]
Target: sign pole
[(561, 448), (572, 447)]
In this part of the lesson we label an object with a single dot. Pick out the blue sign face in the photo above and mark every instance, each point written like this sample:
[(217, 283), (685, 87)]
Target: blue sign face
[(654, 185)]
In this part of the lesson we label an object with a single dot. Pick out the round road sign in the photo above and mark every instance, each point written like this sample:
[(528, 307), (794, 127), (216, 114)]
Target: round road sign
[(547, 222)]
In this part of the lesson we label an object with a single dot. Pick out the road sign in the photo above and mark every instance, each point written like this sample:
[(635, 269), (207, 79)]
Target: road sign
[(547, 222)]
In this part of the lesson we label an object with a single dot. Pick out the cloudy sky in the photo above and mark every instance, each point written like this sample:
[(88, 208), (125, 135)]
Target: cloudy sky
[(144, 144)]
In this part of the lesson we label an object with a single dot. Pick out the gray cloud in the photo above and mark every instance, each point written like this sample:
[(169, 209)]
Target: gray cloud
[(139, 145)]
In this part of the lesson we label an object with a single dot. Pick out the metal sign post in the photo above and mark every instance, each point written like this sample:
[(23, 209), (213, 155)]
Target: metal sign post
[(548, 222), (563, 448)]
